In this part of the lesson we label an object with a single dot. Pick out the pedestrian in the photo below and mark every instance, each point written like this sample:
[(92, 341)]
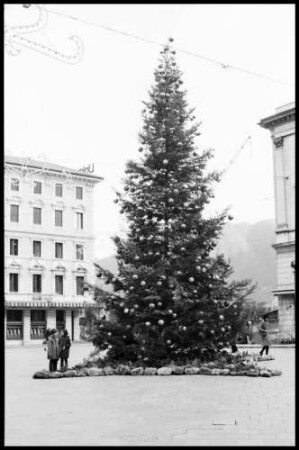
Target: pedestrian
[(45, 341), (53, 350), (64, 346), (263, 331)]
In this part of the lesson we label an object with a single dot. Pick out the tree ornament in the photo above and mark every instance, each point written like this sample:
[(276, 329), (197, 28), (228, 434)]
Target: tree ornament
[(200, 322), (159, 283), (165, 162), (109, 334), (147, 324), (222, 329), (198, 268), (221, 317), (161, 322), (151, 305), (116, 200), (168, 341), (230, 217), (191, 279), (142, 283), (136, 258), (184, 328), (126, 310)]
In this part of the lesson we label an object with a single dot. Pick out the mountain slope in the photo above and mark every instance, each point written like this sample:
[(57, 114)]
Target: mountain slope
[(249, 249)]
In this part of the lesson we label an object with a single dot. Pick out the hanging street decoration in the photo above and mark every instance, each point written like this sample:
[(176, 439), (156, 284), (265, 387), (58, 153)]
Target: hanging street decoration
[(15, 38)]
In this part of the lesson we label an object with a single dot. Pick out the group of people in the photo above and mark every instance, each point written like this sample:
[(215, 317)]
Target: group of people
[(57, 347)]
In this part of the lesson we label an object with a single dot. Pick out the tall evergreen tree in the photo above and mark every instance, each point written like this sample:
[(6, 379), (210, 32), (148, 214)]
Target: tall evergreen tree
[(172, 299)]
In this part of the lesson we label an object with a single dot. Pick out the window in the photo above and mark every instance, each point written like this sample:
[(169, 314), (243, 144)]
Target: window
[(58, 218), (14, 315), (80, 285), (79, 192), (38, 323), (58, 190), (37, 216), (14, 327), (37, 249), (14, 213), (58, 250), (79, 220), (37, 187), (79, 252), (59, 284), (14, 247), (13, 282), (37, 283), (38, 315), (15, 184)]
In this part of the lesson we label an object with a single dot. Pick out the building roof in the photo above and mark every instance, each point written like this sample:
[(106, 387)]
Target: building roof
[(45, 165), (285, 113)]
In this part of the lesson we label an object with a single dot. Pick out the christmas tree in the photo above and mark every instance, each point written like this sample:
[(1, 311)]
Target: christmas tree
[(172, 300)]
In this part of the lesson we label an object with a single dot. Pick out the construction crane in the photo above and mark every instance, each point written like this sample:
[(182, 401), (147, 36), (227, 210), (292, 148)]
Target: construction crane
[(233, 159)]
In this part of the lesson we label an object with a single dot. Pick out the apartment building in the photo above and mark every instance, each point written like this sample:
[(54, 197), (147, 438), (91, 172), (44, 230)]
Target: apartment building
[(49, 248)]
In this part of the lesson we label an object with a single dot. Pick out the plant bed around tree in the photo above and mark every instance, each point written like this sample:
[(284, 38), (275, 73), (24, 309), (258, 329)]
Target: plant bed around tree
[(227, 364)]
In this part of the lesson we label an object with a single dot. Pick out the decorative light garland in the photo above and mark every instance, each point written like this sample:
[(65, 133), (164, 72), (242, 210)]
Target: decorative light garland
[(13, 38)]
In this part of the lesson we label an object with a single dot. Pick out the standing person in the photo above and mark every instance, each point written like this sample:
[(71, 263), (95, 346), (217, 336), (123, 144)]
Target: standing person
[(263, 331), (64, 345), (53, 351), (45, 341)]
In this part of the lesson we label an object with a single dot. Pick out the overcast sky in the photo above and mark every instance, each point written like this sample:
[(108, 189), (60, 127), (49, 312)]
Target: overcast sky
[(90, 112)]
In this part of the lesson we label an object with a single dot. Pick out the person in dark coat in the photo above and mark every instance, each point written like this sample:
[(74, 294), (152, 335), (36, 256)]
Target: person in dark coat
[(53, 350), (263, 331), (64, 346)]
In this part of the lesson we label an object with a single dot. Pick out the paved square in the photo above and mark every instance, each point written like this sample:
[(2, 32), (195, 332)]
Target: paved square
[(185, 410)]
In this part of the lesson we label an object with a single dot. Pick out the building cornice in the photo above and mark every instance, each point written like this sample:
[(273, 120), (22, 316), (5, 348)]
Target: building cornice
[(75, 173), (283, 291), (282, 245), (54, 235), (278, 118)]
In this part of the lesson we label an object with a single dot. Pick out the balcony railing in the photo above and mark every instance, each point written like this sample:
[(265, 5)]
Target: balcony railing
[(37, 330), (14, 331)]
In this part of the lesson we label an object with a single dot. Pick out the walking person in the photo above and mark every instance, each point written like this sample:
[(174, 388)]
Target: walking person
[(64, 346), (53, 351), (263, 331)]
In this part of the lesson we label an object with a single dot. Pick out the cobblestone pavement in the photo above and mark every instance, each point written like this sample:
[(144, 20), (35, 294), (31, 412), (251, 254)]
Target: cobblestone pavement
[(185, 410)]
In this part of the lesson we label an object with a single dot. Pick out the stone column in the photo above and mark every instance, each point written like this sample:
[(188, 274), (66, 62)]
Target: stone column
[(68, 321), (76, 325), (26, 326), (51, 318), (5, 325)]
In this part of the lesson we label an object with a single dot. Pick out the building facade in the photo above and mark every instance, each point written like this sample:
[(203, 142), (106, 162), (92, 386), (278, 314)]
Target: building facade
[(282, 128), (49, 245)]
